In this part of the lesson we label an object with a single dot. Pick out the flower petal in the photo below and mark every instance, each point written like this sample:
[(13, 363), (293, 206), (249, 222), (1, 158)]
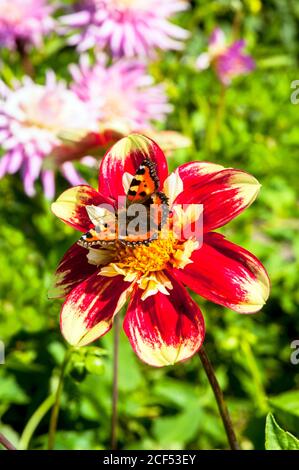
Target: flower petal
[(233, 62), (224, 195), (217, 41), (89, 309), (197, 173), (169, 141), (71, 271), (126, 156), (226, 274), (164, 329), (173, 186), (203, 61), (70, 207), (81, 143), (187, 222)]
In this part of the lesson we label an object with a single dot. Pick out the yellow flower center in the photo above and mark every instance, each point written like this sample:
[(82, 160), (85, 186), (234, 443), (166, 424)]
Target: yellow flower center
[(147, 258), (125, 4), (146, 265)]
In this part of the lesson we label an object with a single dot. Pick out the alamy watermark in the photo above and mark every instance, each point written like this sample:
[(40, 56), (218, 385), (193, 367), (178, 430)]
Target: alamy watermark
[(2, 353), (294, 358), (137, 221), (295, 94)]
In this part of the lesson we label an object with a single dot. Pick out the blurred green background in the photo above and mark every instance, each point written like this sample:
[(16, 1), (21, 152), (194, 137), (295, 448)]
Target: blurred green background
[(171, 408)]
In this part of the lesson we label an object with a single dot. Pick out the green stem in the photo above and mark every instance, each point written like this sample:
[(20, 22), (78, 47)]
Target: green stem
[(224, 413), (34, 421), (55, 409), (6, 443), (115, 383), (216, 125), (220, 109), (237, 24)]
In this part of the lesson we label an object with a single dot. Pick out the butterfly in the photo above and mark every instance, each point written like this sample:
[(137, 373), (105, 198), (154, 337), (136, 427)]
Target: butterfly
[(123, 225)]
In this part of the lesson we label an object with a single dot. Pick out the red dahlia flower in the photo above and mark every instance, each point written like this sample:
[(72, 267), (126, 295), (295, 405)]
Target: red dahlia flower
[(164, 325)]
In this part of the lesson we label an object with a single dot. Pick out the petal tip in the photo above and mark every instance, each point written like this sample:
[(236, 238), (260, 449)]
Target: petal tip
[(55, 208), (258, 294), (248, 186), (131, 143)]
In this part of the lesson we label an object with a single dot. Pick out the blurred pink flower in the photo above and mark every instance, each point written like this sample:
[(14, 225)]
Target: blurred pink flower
[(24, 20), (128, 27), (229, 61), (120, 96), (32, 118)]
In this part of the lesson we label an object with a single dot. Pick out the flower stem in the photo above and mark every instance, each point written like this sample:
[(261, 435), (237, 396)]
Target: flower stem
[(6, 443), (55, 409), (224, 413), (220, 109), (115, 383), (34, 421), (25, 59), (237, 24), (216, 124)]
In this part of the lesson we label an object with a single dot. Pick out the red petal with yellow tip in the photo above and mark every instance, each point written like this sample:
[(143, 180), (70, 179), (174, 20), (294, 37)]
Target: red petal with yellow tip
[(164, 329), (224, 195), (226, 274), (89, 309), (70, 207), (126, 156)]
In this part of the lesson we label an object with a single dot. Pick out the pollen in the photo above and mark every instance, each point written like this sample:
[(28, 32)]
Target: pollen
[(147, 258), (146, 265)]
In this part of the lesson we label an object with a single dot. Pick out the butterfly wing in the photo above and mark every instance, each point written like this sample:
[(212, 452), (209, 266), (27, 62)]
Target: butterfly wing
[(160, 209), (104, 231), (144, 183), (157, 213), (144, 190)]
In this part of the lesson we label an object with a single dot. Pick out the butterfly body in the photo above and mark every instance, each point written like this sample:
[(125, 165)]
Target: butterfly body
[(143, 190)]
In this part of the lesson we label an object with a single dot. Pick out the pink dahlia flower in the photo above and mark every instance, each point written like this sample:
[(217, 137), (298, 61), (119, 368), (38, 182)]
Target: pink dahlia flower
[(163, 324), (24, 20), (32, 118), (229, 61), (128, 27), (120, 96)]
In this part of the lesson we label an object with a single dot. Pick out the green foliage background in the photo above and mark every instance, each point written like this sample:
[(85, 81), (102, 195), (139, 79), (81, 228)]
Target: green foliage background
[(171, 408)]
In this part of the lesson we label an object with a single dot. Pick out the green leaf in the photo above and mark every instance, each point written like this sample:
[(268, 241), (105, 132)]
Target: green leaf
[(180, 428), (288, 401), (11, 392), (277, 438)]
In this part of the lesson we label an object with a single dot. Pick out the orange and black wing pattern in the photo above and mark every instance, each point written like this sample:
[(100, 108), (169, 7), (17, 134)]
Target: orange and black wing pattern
[(104, 231), (144, 183), (143, 190)]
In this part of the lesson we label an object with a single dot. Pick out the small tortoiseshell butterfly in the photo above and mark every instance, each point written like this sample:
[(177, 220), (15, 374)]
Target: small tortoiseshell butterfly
[(143, 190)]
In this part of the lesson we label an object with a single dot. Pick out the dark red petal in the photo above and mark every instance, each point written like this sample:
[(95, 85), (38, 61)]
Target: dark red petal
[(126, 156), (89, 309), (224, 195), (226, 274), (71, 271), (164, 329)]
